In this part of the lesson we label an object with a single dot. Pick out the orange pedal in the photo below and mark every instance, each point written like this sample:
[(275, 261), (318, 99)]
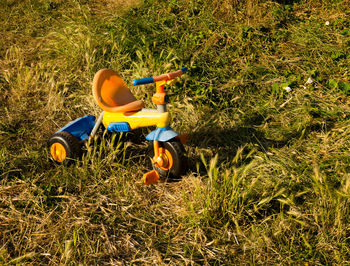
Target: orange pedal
[(150, 177)]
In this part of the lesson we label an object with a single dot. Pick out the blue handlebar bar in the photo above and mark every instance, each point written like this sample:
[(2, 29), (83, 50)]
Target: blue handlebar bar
[(143, 81), (168, 76), (184, 70)]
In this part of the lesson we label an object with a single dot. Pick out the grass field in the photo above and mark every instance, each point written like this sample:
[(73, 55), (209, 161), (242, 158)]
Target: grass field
[(269, 170)]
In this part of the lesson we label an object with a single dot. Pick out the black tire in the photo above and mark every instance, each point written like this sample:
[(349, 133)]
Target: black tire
[(70, 144), (179, 166)]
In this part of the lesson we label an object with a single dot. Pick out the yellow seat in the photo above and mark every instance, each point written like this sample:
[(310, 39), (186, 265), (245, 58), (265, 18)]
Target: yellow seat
[(112, 94)]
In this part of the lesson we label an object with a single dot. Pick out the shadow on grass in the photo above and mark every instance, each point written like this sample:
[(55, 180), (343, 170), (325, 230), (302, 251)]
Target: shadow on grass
[(226, 142)]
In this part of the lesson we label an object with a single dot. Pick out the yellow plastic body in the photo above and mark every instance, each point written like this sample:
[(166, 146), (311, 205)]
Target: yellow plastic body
[(138, 119)]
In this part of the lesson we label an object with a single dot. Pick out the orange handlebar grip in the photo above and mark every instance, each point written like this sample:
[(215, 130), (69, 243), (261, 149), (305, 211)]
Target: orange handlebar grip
[(171, 75)]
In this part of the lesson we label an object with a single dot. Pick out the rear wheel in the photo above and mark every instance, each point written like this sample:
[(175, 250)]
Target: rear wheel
[(63, 147), (173, 156)]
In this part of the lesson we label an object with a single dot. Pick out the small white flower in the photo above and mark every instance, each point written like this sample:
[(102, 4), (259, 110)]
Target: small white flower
[(288, 89), (326, 23), (309, 81)]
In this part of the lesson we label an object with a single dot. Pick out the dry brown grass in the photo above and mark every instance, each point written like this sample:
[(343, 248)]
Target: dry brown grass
[(113, 7), (269, 170)]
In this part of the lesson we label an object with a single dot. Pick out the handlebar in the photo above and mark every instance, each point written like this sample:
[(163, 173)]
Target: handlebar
[(167, 76)]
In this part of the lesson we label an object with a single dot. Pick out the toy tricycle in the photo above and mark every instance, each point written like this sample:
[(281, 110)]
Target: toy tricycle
[(123, 113)]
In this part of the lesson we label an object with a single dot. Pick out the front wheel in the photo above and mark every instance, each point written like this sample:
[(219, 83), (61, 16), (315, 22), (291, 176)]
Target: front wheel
[(174, 156)]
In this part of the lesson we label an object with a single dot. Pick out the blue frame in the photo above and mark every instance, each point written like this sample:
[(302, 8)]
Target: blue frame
[(81, 127)]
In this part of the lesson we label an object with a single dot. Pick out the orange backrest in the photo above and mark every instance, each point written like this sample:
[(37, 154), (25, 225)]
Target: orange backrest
[(112, 94)]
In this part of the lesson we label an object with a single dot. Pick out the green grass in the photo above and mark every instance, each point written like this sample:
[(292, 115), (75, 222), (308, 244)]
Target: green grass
[(269, 177)]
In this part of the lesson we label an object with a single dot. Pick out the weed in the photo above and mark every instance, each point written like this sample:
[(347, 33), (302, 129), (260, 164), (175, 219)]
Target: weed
[(269, 168)]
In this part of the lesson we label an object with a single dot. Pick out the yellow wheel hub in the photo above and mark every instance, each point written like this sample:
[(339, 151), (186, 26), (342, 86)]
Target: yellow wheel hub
[(58, 152)]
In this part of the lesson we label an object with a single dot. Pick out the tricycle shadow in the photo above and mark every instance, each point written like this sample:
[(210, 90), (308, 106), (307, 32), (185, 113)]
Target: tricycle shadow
[(247, 136), (227, 142)]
